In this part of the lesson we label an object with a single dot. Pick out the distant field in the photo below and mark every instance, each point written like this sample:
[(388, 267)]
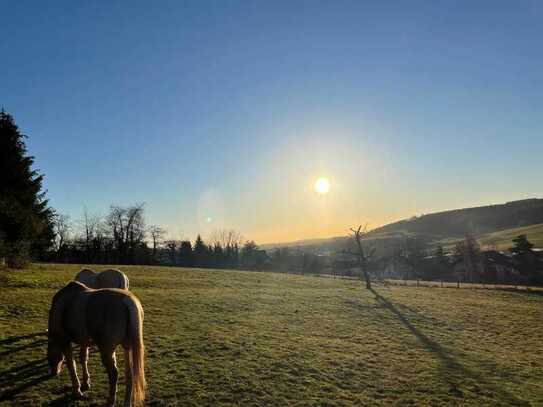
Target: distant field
[(246, 338), (502, 240)]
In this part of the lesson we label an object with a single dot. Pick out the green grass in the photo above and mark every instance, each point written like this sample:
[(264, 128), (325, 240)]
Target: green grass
[(501, 240), (247, 338)]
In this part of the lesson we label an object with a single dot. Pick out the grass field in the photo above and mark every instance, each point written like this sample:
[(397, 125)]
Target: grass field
[(502, 240), (247, 338)]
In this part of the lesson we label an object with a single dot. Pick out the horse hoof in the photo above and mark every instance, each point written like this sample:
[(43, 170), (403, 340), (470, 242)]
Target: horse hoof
[(78, 396)]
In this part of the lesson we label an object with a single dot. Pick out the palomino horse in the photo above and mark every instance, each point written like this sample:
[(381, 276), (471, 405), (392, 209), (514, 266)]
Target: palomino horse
[(110, 278), (106, 318)]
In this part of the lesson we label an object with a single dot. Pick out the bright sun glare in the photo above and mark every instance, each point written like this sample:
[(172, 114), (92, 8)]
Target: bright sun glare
[(322, 185)]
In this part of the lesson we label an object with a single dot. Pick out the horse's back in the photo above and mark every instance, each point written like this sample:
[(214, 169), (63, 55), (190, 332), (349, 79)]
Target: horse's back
[(108, 316), (112, 278)]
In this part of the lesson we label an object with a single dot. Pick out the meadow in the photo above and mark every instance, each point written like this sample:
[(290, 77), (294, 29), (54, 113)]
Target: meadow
[(502, 240), (246, 338)]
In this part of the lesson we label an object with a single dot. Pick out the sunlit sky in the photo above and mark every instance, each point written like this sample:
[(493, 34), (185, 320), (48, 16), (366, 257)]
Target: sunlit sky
[(224, 114)]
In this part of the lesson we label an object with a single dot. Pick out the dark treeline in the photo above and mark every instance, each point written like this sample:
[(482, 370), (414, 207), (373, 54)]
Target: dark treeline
[(413, 258), (123, 237)]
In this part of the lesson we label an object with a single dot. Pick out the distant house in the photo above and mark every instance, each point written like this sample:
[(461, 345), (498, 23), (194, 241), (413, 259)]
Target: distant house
[(492, 266), (530, 263), (344, 264), (395, 269), (500, 267)]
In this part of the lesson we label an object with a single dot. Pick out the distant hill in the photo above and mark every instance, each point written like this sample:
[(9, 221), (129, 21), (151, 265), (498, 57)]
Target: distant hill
[(493, 225), (476, 221), (501, 240), (304, 243)]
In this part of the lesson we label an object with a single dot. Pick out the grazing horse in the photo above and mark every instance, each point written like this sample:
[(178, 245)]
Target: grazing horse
[(107, 318), (110, 278)]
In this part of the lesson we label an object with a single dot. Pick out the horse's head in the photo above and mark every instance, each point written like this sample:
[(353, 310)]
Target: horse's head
[(56, 334)]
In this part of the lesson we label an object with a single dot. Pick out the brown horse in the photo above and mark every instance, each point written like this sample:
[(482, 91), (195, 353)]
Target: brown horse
[(110, 278), (106, 318)]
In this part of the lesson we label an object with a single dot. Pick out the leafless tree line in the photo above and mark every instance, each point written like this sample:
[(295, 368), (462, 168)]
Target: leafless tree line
[(119, 236), (122, 236)]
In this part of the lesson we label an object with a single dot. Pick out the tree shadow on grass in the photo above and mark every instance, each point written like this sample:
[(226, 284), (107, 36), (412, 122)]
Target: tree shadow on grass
[(15, 380), (537, 293), (13, 339), (63, 401), (26, 346), (449, 365)]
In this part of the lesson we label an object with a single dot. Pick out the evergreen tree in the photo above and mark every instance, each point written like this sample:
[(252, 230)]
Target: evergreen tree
[(441, 256), (26, 221), (200, 252), (442, 263), (526, 259), (218, 256), (521, 245), (185, 254)]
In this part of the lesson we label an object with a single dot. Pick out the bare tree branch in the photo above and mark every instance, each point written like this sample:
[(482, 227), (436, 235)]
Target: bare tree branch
[(363, 256)]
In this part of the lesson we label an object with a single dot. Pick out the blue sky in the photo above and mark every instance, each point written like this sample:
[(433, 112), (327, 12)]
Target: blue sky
[(222, 114)]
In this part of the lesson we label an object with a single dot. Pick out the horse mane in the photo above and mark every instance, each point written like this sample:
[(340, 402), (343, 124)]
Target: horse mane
[(70, 287)]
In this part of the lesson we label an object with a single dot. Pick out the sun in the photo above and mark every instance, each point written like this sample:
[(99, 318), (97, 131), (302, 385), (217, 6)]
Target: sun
[(322, 185)]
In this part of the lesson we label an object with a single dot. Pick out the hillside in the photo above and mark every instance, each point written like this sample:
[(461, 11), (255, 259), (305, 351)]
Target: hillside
[(476, 221), (502, 239), (493, 225)]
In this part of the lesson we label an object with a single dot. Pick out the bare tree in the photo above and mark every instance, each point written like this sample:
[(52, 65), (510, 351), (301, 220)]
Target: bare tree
[(411, 252), (93, 231), (470, 252), (88, 227), (362, 254), (226, 244), (172, 246), (127, 228), (157, 234), (225, 238), (62, 227)]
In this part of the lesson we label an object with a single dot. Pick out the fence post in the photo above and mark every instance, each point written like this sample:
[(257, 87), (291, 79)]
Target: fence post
[(458, 284)]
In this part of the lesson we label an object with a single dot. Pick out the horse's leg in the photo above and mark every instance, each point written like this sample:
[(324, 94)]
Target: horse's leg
[(127, 377), (84, 358), (70, 363), (108, 359)]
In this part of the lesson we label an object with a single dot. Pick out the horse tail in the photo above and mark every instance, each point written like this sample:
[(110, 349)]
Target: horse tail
[(124, 281), (136, 350)]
